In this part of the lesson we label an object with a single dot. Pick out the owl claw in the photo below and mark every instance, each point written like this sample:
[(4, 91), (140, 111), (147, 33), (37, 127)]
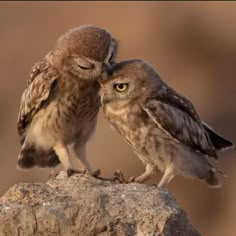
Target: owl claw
[(70, 172), (131, 180), (95, 173), (120, 177)]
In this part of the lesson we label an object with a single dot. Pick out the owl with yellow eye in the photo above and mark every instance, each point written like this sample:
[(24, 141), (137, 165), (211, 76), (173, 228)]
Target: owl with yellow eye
[(160, 125)]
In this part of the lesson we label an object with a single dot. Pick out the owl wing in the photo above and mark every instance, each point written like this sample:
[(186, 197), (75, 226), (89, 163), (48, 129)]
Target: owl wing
[(40, 87), (176, 116)]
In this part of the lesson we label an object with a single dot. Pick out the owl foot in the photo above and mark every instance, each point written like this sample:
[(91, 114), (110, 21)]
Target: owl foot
[(131, 179), (121, 178), (94, 173), (70, 172), (97, 175)]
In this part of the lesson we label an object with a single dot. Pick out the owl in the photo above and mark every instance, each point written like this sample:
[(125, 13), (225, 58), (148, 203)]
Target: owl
[(59, 107), (160, 125)]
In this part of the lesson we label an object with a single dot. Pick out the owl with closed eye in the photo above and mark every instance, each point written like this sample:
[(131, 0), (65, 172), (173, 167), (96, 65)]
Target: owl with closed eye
[(59, 107), (160, 125)]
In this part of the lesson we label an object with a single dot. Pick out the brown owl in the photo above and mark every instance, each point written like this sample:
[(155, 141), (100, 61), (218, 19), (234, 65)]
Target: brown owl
[(160, 125), (59, 107)]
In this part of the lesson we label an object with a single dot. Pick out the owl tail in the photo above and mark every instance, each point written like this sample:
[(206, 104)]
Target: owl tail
[(219, 142), (35, 157), (212, 180)]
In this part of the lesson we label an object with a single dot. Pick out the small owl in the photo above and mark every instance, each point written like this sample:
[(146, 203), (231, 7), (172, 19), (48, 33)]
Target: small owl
[(59, 107), (160, 125)]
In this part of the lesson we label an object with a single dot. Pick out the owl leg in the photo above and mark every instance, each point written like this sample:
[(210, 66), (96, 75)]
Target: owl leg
[(150, 171), (118, 175), (81, 154), (64, 157), (167, 177)]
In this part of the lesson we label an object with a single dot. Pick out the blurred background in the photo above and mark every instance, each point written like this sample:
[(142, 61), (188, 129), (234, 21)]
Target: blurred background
[(192, 46)]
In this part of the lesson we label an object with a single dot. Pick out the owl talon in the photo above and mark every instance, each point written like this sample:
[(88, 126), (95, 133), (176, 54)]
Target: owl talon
[(96, 173), (70, 172), (120, 177), (112, 179), (131, 180)]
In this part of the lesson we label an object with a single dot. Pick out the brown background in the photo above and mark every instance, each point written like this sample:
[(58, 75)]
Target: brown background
[(191, 44)]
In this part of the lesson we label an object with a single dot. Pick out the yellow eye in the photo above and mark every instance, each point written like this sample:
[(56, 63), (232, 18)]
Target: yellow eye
[(121, 87)]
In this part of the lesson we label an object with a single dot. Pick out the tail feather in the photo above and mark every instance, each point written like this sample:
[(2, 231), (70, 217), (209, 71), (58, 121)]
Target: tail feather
[(31, 157), (212, 180), (219, 142)]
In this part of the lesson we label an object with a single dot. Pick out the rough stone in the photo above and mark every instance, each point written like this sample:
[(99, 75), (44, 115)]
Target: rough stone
[(83, 205)]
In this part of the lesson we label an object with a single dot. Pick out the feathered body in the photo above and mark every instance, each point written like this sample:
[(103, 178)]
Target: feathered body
[(160, 125), (60, 105)]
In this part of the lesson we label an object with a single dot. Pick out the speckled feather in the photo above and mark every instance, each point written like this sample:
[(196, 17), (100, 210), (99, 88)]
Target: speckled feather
[(161, 126), (60, 104), (43, 78)]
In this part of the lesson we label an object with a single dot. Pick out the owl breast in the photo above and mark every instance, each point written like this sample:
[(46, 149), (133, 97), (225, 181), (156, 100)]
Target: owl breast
[(86, 113), (81, 112), (149, 142), (132, 126), (71, 117)]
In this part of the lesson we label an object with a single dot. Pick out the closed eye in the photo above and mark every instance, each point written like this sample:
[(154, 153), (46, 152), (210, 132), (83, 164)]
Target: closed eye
[(86, 67), (83, 64)]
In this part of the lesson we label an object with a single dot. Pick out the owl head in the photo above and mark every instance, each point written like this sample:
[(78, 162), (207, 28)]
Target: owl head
[(128, 80), (85, 51)]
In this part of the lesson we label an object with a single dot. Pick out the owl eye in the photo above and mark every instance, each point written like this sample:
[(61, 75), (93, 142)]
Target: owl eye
[(121, 87), (86, 67), (83, 63)]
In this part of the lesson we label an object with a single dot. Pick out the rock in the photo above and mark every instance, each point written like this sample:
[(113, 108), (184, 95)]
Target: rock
[(83, 205)]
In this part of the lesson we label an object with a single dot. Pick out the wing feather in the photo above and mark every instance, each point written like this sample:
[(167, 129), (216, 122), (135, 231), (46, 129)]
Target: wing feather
[(180, 122), (39, 88)]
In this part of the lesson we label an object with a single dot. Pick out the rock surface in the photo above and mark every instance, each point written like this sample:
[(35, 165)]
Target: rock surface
[(83, 205)]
